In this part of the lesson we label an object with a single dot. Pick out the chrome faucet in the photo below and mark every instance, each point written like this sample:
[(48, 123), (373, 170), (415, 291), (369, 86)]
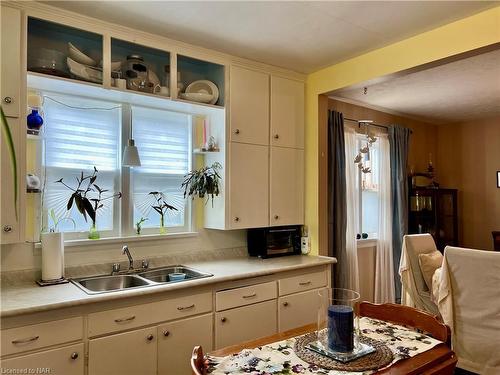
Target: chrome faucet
[(126, 251)]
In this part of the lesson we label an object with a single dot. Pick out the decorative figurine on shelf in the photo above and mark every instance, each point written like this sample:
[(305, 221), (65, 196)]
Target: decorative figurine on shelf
[(212, 145), (34, 121)]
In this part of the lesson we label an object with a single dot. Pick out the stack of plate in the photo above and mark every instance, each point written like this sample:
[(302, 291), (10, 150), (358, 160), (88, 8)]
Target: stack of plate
[(202, 91)]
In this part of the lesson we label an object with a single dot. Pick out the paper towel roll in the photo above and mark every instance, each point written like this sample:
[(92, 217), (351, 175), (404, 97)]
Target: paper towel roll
[(52, 256)]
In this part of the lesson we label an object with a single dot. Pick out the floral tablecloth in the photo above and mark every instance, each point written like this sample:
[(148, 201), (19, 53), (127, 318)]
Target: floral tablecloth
[(280, 358)]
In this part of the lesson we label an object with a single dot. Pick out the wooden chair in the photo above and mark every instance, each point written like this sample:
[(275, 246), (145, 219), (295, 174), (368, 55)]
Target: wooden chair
[(198, 365), (415, 319)]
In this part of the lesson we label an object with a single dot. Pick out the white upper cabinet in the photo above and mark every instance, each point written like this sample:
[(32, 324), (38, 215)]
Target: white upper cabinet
[(248, 186), (287, 112), (249, 112), (286, 186), (11, 61)]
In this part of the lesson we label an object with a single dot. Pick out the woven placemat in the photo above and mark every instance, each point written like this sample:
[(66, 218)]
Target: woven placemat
[(373, 361)]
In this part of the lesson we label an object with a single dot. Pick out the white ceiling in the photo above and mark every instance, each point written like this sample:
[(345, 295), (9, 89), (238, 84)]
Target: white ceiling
[(463, 90), (303, 36)]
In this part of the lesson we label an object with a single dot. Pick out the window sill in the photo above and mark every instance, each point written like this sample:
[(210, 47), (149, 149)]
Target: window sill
[(121, 240), (368, 242)]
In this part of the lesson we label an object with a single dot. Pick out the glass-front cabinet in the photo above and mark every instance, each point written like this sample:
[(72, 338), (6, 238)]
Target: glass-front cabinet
[(434, 211)]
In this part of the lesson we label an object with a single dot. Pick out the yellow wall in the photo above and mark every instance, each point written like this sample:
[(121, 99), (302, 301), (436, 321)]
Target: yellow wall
[(468, 158), (480, 30)]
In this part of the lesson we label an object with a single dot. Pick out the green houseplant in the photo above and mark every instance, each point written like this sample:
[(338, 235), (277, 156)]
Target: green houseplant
[(161, 206), (88, 198), (13, 159), (204, 181)]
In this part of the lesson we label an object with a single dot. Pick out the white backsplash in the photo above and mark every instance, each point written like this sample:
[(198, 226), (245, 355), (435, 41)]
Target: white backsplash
[(207, 243)]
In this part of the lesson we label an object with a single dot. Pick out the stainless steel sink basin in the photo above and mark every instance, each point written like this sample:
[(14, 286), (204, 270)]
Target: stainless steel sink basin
[(101, 284), (135, 279), (160, 275)]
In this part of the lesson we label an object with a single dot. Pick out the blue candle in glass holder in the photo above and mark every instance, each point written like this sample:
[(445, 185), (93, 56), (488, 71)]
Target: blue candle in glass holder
[(340, 328)]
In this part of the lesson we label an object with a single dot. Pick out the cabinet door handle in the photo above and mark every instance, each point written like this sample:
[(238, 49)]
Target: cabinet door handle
[(7, 99), (25, 341), (74, 355), (236, 218), (128, 319), (237, 131), (223, 319), (250, 295), (180, 308), (305, 283), (7, 228), (150, 337), (276, 217), (166, 333), (285, 304), (276, 136)]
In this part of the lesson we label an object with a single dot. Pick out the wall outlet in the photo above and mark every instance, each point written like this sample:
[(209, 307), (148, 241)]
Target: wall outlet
[(305, 245)]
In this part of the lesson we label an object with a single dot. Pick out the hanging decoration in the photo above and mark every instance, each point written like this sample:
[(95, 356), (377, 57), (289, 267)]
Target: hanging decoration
[(362, 159)]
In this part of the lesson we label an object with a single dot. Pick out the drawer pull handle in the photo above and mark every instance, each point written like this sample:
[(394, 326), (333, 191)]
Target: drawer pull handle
[(305, 283), (250, 295), (180, 308), (150, 337), (25, 341), (7, 100), (74, 355), (166, 333), (121, 320)]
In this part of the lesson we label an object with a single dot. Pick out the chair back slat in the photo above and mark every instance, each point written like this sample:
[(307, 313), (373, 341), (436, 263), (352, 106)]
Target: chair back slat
[(408, 317), (198, 361)]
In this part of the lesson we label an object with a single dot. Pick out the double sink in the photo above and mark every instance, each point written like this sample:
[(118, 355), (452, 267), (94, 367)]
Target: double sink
[(136, 279)]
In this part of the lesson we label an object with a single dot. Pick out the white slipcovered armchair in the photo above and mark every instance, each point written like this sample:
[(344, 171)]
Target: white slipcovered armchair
[(469, 303), (414, 291)]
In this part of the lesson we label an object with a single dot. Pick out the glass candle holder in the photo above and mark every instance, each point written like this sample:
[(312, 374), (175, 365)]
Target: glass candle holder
[(338, 322)]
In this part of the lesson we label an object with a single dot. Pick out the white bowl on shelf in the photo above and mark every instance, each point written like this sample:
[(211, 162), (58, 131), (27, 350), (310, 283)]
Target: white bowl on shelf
[(199, 97), (79, 57), (204, 86), (87, 73)]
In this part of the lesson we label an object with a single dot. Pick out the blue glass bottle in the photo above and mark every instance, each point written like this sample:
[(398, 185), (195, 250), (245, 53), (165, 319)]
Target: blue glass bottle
[(34, 120)]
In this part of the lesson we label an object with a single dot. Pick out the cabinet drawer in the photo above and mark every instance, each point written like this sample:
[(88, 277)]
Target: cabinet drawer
[(17, 340), (245, 323), (62, 361), (228, 299), (141, 315), (301, 283), (297, 310)]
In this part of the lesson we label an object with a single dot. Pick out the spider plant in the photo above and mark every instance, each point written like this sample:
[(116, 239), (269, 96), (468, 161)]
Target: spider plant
[(12, 154), (201, 182)]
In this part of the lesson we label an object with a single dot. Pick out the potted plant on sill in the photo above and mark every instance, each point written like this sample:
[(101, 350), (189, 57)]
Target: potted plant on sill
[(86, 205), (161, 206), (203, 182)]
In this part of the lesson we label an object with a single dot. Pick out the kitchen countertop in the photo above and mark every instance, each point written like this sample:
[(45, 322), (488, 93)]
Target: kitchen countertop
[(26, 298)]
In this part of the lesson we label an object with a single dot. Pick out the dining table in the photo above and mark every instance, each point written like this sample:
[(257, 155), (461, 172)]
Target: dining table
[(414, 353)]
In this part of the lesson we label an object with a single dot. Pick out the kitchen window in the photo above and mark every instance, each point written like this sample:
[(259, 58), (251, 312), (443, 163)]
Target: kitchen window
[(81, 133)]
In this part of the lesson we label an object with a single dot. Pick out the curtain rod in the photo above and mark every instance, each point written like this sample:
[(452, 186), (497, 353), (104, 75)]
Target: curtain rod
[(370, 124)]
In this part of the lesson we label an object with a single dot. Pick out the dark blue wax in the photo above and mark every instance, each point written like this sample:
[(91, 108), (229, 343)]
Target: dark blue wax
[(340, 328)]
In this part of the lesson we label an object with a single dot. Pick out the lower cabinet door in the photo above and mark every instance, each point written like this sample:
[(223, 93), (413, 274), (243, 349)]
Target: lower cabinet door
[(176, 341), (68, 360), (245, 323), (125, 353), (297, 310)]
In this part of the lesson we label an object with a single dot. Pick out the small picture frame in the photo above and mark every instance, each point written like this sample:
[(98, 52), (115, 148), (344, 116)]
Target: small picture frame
[(498, 179)]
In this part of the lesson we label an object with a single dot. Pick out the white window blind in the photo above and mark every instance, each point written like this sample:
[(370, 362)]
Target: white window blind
[(76, 140), (164, 143)]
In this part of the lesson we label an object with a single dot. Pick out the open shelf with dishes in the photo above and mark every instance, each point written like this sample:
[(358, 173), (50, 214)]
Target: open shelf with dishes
[(200, 81), (139, 68), (63, 51)]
